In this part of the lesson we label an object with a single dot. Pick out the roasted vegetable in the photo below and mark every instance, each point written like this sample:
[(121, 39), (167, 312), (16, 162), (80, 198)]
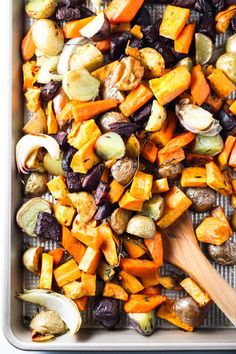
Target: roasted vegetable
[(196, 292), (84, 204), (47, 226), (64, 13), (103, 211), (227, 63), (48, 37), (67, 158), (123, 10), (36, 184), (170, 171), (106, 312), (52, 165), (228, 122), (231, 44), (110, 145), (123, 170), (50, 90), (143, 323), (128, 74), (141, 226), (40, 8), (207, 145), (157, 117), (91, 180), (153, 208), (27, 215), (216, 78), (87, 56), (173, 21), (119, 220), (203, 199), (224, 254), (64, 307), (143, 303), (48, 322), (109, 118), (32, 259), (189, 312), (217, 180), (98, 29), (206, 26), (152, 61), (80, 85), (118, 44)]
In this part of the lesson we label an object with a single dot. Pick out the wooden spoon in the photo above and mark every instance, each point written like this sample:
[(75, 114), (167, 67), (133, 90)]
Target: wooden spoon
[(181, 249)]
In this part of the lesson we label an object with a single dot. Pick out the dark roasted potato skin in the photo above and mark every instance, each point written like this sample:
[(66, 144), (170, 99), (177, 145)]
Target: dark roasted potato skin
[(142, 18), (67, 158), (92, 178), (118, 44), (106, 312), (170, 171), (165, 51), (103, 211), (207, 26), (227, 121), (123, 170), (189, 311), (67, 14), (224, 254), (218, 5), (143, 113), (203, 199), (73, 182), (47, 226), (184, 3), (85, 12), (50, 90)]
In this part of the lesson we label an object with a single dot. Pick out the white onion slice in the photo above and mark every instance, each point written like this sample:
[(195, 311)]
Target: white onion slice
[(196, 119), (31, 142)]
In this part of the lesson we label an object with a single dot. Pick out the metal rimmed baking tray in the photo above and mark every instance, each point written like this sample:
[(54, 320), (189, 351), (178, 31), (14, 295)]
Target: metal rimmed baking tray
[(217, 333)]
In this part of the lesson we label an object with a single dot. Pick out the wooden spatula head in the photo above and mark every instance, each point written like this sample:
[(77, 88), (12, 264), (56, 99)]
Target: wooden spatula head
[(181, 249)]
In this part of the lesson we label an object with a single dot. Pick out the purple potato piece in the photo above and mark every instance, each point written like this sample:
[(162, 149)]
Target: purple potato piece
[(233, 24), (218, 5), (70, 3), (50, 90), (143, 113), (61, 138), (47, 226), (150, 34), (73, 182), (101, 193), (227, 121), (67, 13), (118, 44), (92, 179), (67, 158), (85, 12), (106, 312), (189, 311), (124, 129), (103, 211), (224, 254), (142, 18), (184, 3), (165, 51), (207, 26), (136, 43), (203, 7), (143, 323)]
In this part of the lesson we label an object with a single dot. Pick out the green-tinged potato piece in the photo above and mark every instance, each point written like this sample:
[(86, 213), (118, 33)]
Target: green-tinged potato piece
[(143, 323)]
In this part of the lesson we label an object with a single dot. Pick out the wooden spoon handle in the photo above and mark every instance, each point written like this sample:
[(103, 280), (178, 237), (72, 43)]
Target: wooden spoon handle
[(209, 279)]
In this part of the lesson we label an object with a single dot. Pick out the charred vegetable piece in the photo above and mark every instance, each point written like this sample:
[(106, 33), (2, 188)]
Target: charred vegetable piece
[(26, 216), (91, 180), (73, 182), (170, 171), (142, 18), (204, 7), (123, 170), (203, 199), (118, 44), (119, 220), (124, 129), (184, 3), (233, 24), (101, 193), (47, 226), (85, 12), (165, 51), (224, 254), (189, 311), (36, 184), (67, 13), (70, 3), (106, 312), (49, 91), (67, 158), (218, 5), (40, 8), (61, 138), (143, 323), (98, 29), (228, 121), (206, 26), (103, 211), (143, 113)]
